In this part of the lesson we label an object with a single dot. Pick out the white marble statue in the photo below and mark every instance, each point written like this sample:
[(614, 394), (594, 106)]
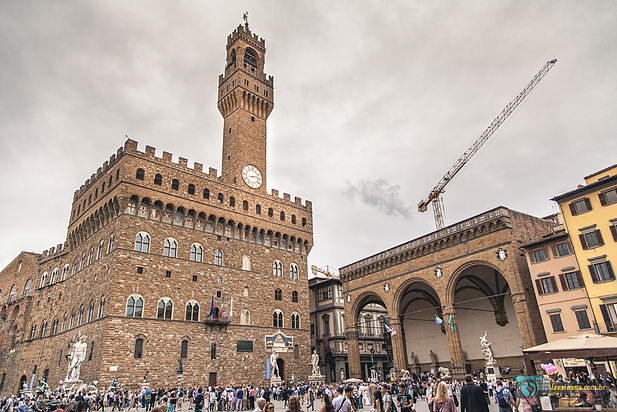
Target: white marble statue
[(274, 365), (444, 371), (487, 351), (405, 374), (315, 364), (77, 356)]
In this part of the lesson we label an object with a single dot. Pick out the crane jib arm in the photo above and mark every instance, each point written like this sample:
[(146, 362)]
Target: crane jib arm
[(510, 107)]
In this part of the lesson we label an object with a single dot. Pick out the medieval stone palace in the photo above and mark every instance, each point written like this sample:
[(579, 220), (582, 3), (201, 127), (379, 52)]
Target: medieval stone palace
[(171, 272)]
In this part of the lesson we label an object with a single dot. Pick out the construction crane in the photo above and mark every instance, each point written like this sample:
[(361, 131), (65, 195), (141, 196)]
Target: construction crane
[(434, 196), (323, 271)]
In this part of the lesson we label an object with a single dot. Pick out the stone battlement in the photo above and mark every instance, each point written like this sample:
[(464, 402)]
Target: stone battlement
[(130, 146), (99, 172), (248, 36), (54, 251)]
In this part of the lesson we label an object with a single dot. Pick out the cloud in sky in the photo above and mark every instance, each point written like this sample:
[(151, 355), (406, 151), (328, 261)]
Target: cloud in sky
[(380, 194)]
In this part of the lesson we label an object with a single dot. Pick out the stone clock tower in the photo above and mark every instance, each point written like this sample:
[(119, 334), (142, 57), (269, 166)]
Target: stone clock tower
[(245, 99)]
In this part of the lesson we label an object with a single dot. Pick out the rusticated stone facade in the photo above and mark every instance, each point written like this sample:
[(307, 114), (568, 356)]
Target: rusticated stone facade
[(155, 246)]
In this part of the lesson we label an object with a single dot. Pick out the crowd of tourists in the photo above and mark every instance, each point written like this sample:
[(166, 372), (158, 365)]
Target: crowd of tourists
[(441, 395)]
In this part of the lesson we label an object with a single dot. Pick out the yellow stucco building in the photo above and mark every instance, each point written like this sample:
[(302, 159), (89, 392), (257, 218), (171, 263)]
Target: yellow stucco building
[(590, 216)]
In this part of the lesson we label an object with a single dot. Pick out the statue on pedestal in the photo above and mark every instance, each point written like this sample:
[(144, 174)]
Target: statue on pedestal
[(415, 368), (77, 356), (315, 364), (487, 351), (490, 365), (274, 364)]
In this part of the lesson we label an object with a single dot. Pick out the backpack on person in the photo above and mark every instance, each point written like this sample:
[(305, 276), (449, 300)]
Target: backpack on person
[(501, 400)]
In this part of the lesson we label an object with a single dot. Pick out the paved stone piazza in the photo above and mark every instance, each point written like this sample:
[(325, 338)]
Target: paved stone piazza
[(156, 252)]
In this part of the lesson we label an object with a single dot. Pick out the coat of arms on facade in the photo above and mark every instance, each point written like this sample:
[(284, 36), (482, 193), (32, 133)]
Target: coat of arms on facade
[(502, 254), (279, 342), (386, 287), (439, 272)]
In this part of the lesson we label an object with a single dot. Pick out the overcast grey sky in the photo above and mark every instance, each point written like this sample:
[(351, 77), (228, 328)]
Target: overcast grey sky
[(374, 101)]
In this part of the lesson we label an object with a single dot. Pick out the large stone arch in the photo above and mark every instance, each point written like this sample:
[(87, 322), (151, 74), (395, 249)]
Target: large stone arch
[(415, 304), (481, 297), (450, 289), (360, 302), (351, 329)]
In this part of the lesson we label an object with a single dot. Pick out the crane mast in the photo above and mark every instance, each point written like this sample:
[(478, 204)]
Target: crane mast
[(434, 196)]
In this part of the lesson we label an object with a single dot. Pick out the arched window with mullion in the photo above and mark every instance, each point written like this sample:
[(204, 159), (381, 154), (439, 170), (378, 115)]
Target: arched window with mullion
[(142, 242), (218, 257), (170, 247), (196, 253)]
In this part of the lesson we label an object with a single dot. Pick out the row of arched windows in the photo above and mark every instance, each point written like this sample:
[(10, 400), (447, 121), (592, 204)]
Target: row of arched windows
[(13, 291), (85, 260), (277, 269), (77, 318), (165, 308), (219, 226), (170, 249), (277, 319), (175, 185)]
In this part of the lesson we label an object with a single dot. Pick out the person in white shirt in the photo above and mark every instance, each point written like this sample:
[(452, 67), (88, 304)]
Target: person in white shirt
[(341, 403)]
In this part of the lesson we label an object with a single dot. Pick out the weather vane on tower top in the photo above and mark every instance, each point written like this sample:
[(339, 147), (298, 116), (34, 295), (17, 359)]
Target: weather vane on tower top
[(245, 16)]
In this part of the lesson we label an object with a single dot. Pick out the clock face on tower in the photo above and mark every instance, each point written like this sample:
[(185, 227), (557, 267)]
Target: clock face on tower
[(252, 176)]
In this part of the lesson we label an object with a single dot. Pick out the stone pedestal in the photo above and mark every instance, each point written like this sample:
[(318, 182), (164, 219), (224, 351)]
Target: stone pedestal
[(71, 386), (316, 379), (374, 376), (275, 380), (492, 372)]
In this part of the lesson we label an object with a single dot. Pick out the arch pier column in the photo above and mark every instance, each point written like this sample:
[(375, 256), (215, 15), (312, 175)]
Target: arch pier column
[(455, 347), (398, 346), (530, 335), (353, 352)]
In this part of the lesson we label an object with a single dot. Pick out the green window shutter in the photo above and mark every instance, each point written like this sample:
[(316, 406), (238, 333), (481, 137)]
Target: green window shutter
[(583, 241), (610, 270), (532, 258), (588, 204), (607, 319), (570, 246), (554, 282), (539, 286), (579, 276), (572, 209), (614, 232), (599, 236), (602, 197), (592, 271)]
